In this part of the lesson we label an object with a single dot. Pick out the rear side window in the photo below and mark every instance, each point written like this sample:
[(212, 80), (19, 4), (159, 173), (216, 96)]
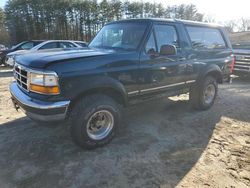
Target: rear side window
[(49, 45), (206, 38), (66, 45), (82, 44)]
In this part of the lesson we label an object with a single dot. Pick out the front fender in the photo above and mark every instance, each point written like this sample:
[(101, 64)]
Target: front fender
[(74, 87)]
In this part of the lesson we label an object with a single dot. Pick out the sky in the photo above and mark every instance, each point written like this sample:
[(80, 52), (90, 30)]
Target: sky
[(220, 10), (2, 2)]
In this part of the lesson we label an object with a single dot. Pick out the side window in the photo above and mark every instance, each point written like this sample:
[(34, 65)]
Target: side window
[(166, 35), (66, 45), (150, 47), (82, 44), (27, 46), (49, 46), (206, 38)]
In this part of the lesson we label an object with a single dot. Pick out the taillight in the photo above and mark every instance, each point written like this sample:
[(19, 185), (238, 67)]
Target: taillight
[(232, 65)]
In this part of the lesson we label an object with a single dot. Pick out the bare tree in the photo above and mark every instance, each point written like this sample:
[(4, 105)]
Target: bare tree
[(244, 24), (231, 26), (209, 19)]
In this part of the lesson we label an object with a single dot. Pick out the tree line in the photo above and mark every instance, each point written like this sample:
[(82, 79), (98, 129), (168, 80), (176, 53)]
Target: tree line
[(77, 19), (242, 24), (4, 35)]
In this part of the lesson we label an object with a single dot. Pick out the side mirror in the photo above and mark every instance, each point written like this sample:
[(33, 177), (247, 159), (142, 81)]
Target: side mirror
[(168, 50)]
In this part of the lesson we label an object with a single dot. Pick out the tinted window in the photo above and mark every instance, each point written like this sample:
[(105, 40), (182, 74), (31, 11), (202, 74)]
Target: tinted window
[(206, 38), (150, 45), (49, 46), (82, 44), (27, 46), (66, 45), (165, 35), (126, 36)]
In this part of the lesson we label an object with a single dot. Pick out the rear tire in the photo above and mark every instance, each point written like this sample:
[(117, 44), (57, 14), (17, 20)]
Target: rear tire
[(94, 121), (203, 95)]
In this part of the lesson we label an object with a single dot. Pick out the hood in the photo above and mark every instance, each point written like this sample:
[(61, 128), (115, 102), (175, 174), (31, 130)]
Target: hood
[(43, 59)]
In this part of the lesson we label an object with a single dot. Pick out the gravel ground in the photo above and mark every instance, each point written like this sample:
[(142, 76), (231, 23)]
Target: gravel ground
[(161, 143)]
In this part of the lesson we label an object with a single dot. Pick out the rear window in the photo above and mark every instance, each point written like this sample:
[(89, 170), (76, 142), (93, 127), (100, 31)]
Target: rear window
[(206, 38)]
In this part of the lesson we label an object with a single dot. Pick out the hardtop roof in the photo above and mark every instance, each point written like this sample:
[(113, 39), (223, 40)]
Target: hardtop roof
[(185, 22)]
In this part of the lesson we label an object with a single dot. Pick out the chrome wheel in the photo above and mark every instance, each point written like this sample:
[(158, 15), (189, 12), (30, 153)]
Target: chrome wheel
[(209, 93), (100, 124)]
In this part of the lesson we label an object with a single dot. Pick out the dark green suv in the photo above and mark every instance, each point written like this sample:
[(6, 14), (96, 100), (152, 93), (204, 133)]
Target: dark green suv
[(128, 61)]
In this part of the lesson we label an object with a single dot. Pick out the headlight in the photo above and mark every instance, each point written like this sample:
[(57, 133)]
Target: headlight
[(44, 83)]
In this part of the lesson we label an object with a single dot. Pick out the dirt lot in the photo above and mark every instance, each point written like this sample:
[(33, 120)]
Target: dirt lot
[(161, 144)]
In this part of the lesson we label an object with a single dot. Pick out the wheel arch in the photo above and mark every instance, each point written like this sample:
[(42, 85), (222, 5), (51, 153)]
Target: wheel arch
[(115, 90), (214, 71)]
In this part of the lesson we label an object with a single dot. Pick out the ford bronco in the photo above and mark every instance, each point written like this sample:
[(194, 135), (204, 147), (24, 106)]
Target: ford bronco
[(128, 61)]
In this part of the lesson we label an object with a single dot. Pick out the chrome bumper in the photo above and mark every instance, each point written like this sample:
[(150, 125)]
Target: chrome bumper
[(37, 109)]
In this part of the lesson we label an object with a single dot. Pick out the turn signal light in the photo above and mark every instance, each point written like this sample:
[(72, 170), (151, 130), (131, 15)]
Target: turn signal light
[(48, 90)]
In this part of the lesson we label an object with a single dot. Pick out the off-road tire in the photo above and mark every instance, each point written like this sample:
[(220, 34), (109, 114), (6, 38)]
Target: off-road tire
[(82, 112), (197, 92)]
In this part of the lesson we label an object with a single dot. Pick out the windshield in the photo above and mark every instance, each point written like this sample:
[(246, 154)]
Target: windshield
[(124, 36)]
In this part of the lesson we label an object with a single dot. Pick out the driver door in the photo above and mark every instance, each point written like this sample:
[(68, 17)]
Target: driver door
[(162, 72)]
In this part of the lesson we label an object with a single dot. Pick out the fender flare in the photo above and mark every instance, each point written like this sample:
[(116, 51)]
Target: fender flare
[(213, 70), (101, 83)]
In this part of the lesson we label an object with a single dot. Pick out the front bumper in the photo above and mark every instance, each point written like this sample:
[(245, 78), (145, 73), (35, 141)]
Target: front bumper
[(37, 109)]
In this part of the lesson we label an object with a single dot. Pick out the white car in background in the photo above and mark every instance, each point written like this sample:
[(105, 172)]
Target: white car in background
[(47, 45)]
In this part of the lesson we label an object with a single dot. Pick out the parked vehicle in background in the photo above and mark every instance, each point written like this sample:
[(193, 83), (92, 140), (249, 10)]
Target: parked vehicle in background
[(242, 58), (26, 45), (127, 62), (81, 43), (46, 45), (2, 47)]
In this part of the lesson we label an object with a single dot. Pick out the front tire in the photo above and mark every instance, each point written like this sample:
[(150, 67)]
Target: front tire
[(95, 119), (203, 95)]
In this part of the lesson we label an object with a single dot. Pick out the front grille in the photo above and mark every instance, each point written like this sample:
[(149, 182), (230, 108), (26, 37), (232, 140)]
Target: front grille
[(21, 76), (242, 63)]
